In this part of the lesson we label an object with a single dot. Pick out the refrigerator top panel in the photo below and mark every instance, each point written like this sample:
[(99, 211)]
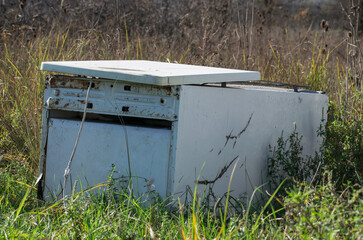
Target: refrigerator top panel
[(149, 72)]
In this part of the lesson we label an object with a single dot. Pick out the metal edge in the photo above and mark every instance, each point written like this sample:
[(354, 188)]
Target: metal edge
[(150, 80), (173, 141), (154, 80), (43, 154)]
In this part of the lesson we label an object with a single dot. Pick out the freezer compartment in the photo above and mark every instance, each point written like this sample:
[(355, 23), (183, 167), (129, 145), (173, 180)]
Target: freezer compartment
[(104, 148)]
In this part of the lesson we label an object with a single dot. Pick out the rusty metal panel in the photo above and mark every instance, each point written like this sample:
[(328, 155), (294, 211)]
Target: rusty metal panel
[(111, 97)]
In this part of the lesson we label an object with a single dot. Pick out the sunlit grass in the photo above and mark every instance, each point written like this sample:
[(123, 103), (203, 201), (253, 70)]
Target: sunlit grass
[(321, 211), (308, 212)]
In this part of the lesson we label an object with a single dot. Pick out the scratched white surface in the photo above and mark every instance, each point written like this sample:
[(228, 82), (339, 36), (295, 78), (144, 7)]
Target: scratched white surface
[(208, 115)]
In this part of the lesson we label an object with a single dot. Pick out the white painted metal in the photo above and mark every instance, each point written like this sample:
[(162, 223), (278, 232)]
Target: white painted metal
[(208, 115), (149, 72), (102, 146), (207, 125)]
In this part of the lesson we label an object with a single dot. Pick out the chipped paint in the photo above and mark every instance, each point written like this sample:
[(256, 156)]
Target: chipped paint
[(128, 99), (219, 174), (58, 81)]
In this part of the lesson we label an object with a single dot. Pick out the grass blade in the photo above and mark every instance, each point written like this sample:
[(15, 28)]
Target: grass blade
[(21, 205)]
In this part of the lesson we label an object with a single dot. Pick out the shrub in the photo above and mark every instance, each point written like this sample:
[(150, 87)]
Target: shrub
[(287, 162), (322, 213), (344, 147)]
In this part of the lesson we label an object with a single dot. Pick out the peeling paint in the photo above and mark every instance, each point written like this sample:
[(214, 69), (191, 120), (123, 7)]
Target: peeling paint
[(58, 81), (235, 137), (219, 175), (140, 100)]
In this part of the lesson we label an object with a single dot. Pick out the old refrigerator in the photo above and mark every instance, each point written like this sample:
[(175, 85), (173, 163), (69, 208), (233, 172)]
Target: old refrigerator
[(168, 126)]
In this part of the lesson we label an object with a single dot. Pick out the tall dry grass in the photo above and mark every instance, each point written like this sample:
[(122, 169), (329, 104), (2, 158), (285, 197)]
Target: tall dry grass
[(285, 46), (289, 49)]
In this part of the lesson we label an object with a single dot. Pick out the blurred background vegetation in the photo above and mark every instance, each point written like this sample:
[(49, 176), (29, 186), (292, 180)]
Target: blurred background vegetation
[(312, 43)]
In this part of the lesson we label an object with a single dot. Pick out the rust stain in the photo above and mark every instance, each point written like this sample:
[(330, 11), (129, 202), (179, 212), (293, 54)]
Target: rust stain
[(55, 102), (69, 82), (82, 101), (66, 105), (159, 91), (168, 91)]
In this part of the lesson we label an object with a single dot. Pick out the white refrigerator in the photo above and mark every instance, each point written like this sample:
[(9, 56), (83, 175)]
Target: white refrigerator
[(169, 127)]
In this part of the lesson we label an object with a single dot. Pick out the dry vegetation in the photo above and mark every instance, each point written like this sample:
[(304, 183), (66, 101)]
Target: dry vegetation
[(287, 41), (291, 46)]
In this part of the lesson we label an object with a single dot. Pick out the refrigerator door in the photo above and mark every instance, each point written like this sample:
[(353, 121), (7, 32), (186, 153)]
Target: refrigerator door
[(149, 72), (102, 150)]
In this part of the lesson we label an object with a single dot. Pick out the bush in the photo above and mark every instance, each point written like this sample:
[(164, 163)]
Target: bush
[(322, 213), (341, 153), (286, 162), (344, 147)]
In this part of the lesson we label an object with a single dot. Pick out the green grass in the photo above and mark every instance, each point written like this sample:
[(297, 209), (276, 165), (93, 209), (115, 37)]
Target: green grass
[(306, 212)]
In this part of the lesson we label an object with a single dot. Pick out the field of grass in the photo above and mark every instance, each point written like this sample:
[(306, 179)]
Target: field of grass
[(329, 206)]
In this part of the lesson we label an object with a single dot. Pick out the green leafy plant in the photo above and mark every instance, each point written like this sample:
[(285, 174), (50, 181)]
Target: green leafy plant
[(287, 162), (320, 212), (344, 147)]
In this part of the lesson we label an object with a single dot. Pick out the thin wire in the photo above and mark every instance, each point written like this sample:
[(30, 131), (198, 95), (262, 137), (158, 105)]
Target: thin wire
[(123, 124), (126, 140), (68, 168), (128, 153)]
